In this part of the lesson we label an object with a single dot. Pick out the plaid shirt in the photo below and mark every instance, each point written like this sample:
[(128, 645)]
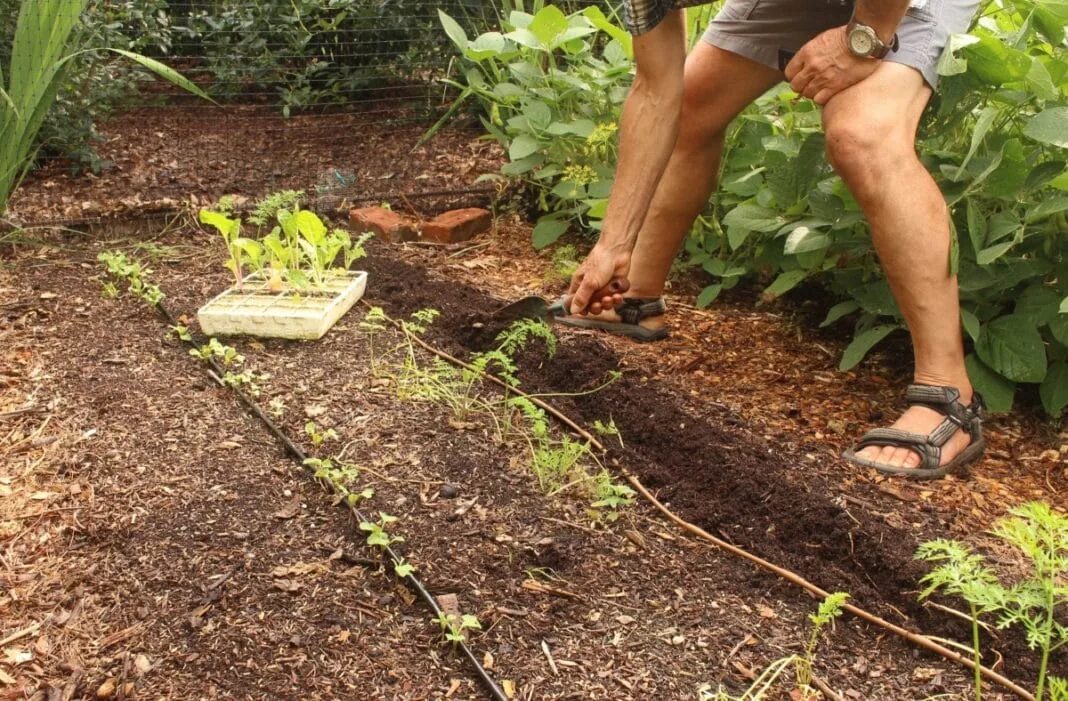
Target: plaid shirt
[(639, 16)]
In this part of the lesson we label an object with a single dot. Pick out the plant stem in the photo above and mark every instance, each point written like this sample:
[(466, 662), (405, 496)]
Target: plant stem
[(977, 654), (1047, 641)]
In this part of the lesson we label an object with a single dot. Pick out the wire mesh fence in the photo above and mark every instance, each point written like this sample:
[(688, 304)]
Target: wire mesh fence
[(326, 95)]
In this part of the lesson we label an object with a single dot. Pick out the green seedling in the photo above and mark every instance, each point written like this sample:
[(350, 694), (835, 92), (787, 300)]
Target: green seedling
[(318, 437), (226, 355), (246, 380), (829, 609), (277, 406), (403, 568), (180, 332), (340, 475), (453, 629), (608, 429), (609, 497), (133, 274), (377, 536), (1040, 535)]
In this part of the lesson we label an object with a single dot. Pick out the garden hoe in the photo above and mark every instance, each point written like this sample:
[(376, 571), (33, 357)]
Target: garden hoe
[(534, 307)]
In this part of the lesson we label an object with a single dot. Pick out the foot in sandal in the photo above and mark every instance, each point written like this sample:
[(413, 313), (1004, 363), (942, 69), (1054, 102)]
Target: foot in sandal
[(640, 318), (940, 434)]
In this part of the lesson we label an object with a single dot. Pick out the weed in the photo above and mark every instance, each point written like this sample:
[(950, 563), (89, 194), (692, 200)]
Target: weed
[(340, 475), (247, 380), (565, 262), (1040, 535), (608, 429)]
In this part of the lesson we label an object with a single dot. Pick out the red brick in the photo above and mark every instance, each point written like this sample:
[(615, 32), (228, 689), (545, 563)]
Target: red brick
[(457, 225), (384, 223)]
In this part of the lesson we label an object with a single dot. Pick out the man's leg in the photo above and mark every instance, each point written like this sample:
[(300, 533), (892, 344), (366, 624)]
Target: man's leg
[(718, 85), (871, 132)]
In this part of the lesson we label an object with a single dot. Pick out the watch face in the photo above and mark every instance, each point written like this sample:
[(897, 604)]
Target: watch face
[(861, 42)]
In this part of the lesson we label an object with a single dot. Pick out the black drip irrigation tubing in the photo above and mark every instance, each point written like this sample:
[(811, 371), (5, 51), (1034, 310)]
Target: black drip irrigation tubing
[(300, 456)]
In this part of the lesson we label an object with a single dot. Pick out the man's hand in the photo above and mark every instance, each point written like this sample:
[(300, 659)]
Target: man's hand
[(590, 283), (825, 66)]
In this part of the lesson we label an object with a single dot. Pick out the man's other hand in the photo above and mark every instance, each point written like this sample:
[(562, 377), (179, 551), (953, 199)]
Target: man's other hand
[(825, 66), (592, 291)]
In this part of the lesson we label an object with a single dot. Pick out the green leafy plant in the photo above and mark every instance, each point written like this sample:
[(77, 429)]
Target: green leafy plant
[(228, 356), (133, 273), (317, 436), (377, 536), (829, 609), (39, 61), (609, 497), (342, 476), (298, 253), (1038, 534), (453, 628), (550, 87)]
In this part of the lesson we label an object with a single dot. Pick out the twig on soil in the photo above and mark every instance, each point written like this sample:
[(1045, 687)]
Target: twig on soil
[(824, 689), (33, 409), (28, 630)]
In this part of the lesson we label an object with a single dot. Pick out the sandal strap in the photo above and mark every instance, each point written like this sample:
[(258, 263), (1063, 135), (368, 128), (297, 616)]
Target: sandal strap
[(634, 309), (946, 401), (930, 452)]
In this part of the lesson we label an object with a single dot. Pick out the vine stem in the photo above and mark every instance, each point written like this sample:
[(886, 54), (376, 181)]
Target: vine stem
[(917, 639)]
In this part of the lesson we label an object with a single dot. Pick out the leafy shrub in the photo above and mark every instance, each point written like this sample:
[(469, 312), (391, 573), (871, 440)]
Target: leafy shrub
[(994, 139), (95, 83), (552, 86)]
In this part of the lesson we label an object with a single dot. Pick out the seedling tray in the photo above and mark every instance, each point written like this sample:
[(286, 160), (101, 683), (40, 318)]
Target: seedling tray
[(305, 315)]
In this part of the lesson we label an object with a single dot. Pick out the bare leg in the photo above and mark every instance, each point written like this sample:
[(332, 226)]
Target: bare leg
[(871, 131), (718, 85)]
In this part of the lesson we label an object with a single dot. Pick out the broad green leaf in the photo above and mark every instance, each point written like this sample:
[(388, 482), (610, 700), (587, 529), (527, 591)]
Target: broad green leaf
[(949, 63), (578, 127), (622, 37), (547, 231), (548, 25), (538, 114), (527, 38), (1040, 81), (1049, 24), (1064, 306), (838, 311), (522, 146), (708, 295), (736, 237), (803, 239), (996, 390), (1038, 303), (982, 126), (1058, 326), (1012, 346), (486, 46), (994, 62), (970, 323), (453, 30), (1054, 389), (1045, 208), (862, 344), (1049, 127), (989, 255), (785, 282), (753, 217)]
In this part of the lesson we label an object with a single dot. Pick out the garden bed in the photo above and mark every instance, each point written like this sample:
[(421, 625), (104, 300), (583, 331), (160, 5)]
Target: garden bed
[(178, 490)]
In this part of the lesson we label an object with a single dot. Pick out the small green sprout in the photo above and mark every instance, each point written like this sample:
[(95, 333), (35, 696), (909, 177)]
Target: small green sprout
[(403, 568), (453, 629), (376, 532), (181, 332), (311, 429)]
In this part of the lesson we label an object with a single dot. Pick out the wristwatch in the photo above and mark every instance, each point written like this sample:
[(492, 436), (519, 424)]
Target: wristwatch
[(865, 42)]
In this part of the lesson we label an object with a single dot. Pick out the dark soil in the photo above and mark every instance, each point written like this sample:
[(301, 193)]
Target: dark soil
[(707, 466)]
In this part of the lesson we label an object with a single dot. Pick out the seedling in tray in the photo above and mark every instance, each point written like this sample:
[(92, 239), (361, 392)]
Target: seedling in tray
[(287, 282)]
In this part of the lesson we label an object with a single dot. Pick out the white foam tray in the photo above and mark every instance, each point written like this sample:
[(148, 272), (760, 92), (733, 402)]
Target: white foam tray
[(252, 311)]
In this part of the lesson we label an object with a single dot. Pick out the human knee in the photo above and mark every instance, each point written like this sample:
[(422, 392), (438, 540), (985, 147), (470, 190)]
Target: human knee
[(859, 144), (701, 122)]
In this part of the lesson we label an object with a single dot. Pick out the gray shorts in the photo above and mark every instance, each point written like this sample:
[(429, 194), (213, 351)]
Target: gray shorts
[(772, 31)]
